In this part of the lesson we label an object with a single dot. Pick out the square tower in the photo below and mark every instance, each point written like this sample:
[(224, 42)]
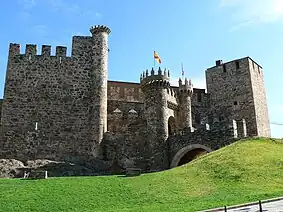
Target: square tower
[(237, 91)]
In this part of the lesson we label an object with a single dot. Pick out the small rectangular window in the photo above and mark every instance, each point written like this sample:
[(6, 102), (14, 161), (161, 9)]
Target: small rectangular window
[(197, 118), (199, 97), (224, 68), (237, 65), (235, 103)]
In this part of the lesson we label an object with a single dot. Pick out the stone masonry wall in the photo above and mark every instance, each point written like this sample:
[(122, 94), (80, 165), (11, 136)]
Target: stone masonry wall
[(131, 92), (231, 94), (134, 148), (260, 99), (218, 136), (1, 102), (57, 93), (125, 91), (122, 114)]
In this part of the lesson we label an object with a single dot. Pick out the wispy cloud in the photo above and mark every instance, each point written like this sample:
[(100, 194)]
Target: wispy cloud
[(27, 4), (24, 16), (69, 9), (248, 12), (40, 30), (26, 7)]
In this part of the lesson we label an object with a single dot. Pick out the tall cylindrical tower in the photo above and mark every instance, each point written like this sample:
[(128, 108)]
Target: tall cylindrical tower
[(99, 77), (184, 96), (155, 88)]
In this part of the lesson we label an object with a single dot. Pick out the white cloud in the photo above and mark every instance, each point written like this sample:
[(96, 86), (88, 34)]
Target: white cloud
[(40, 30), (247, 12), (27, 4), (24, 16), (71, 9)]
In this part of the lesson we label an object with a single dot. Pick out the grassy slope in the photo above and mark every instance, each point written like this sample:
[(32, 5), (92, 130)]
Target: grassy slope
[(245, 171)]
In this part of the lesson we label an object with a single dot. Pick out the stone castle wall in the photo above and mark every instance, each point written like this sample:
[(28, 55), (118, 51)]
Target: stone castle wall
[(63, 107), (131, 92), (135, 148), (1, 102), (61, 94), (232, 91), (260, 99)]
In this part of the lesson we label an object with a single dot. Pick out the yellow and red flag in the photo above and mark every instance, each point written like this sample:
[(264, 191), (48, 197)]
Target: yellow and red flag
[(156, 57)]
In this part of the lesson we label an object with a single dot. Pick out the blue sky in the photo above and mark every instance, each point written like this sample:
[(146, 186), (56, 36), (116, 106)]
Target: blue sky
[(195, 32)]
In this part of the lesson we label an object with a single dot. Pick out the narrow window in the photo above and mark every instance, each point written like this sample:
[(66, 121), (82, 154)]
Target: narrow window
[(235, 103), (237, 65), (199, 97), (224, 68), (197, 118), (36, 126), (60, 59)]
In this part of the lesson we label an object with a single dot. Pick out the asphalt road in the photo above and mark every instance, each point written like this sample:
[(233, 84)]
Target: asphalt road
[(276, 206)]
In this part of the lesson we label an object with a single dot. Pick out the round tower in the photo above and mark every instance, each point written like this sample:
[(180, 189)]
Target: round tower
[(100, 77), (155, 88), (185, 93)]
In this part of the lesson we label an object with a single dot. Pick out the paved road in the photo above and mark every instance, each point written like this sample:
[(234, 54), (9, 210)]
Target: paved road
[(276, 206)]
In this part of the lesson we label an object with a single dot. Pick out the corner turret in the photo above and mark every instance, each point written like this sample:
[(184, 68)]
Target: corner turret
[(99, 78), (99, 28), (154, 87), (161, 79), (185, 93)]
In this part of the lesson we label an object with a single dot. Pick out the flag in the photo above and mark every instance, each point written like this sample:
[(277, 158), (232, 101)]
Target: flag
[(156, 57), (183, 70)]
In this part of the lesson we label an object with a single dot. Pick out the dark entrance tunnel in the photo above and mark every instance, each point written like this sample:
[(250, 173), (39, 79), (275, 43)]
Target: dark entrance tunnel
[(191, 155)]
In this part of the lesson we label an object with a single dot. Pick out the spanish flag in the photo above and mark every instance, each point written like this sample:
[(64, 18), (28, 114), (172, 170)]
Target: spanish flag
[(156, 57)]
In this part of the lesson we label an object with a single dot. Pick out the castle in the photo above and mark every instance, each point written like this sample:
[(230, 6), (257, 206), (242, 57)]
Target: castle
[(64, 108)]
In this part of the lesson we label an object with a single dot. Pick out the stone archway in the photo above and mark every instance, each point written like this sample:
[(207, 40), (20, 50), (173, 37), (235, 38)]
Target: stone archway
[(171, 126), (189, 153)]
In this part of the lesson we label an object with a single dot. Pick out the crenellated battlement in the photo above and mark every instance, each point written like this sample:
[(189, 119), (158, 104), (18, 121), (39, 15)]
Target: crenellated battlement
[(162, 78), (172, 92), (31, 50), (68, 104), (187, 87), (235, 128), (99, 28)]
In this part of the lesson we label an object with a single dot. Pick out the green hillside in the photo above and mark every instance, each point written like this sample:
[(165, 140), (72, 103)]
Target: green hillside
[(242, 172)]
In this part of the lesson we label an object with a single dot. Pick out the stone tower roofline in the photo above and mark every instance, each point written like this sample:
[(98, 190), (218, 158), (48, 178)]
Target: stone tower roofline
[(31, 50), (186, 87), (160, 77), (99, 28), (220, 62)]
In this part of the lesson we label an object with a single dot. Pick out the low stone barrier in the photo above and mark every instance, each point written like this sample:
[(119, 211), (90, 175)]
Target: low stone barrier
[(130, 172), (36, 175)]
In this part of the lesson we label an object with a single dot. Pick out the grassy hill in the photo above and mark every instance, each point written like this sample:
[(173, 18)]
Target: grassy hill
[(244, 171)]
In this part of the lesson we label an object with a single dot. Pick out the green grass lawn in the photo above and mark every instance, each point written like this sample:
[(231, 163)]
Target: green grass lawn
[(242, 172)]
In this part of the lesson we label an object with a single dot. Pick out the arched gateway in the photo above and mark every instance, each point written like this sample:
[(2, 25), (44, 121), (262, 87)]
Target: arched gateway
[(188, 153)]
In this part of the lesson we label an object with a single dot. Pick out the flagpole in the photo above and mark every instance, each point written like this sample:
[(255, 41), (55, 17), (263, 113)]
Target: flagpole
[(182, 71), (153, 60)]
